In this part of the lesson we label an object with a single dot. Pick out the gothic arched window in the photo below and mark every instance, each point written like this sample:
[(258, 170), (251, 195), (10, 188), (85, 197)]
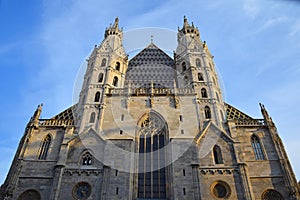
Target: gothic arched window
[(183, 65), (45, 148), (100, 77), (92, 117), (203, 93), (217, 155), (207, 112), (30, 195), (200, 77), (97, 97), (198, 62), (217, 96), (103, 62), (152, 162), (222, 115), (118, 66), (271, 195), (257, 149), (86, 159), (115, 81), (214, 80)]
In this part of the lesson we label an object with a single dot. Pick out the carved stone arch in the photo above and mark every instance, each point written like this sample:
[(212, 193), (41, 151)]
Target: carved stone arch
[(30, 195)]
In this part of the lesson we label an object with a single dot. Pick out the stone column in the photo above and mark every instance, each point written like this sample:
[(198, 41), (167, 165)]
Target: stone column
[(196, 181), (243, 169)]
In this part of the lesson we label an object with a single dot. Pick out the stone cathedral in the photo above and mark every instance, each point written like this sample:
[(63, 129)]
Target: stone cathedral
[(151, 127)]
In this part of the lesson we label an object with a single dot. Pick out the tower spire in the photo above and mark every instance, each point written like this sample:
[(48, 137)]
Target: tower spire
[(189, 29), (114, 29)]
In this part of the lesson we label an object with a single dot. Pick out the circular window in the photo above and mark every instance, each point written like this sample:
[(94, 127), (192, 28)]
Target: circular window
[(220, 189), (81, 191)]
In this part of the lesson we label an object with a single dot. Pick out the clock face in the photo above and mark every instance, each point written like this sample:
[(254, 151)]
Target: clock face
[(82, 191)]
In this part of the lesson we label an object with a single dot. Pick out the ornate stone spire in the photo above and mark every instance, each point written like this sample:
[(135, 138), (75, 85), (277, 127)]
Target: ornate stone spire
[(113, 29), (189, 29), (35, 118)]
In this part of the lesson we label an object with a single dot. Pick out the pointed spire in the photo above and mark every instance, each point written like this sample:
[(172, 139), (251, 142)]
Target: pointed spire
[(116, 24), (266, 116), (189, 29), (114, 29), (35, 118)]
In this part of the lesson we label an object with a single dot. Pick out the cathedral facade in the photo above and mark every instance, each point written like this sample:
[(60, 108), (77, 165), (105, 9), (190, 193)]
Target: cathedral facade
[(152, 127)]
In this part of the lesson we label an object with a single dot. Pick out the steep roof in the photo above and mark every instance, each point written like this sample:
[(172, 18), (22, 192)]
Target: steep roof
[(151, 65), (234, 113)]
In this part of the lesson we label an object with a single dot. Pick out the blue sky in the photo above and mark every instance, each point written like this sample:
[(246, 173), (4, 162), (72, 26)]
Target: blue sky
[(256, 44)]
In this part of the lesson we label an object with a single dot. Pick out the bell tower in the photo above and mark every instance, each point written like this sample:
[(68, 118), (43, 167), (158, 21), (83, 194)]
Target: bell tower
[(196, 69), (106, 68)]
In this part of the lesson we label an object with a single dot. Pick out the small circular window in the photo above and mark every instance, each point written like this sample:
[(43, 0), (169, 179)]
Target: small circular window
[(81, 191), (220, 189)]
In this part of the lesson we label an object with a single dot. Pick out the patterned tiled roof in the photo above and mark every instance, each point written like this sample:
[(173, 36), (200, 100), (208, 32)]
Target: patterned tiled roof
[(66, 114), (150, 65), (234, 113)]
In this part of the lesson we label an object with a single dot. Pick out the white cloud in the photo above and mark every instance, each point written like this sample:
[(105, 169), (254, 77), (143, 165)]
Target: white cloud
[(251, 8)]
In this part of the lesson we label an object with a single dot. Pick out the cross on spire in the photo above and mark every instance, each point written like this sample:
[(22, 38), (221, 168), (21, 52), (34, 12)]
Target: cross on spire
[(151, 38)]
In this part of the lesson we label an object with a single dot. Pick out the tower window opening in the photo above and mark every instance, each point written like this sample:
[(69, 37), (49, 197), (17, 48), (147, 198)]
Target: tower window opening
[(97, 97), (257, 149), (103, 62), (207, 112), (121, 132), (222, 115), (183, 172), (217, 96), (116, 173), (122, 117), (210, 66), (100, 77), (45, 148), (181, 118), (117, 190), (203, 93), (217, 153), (87, 159), (200, 77), (182, 131), (198, 62), (214, 80), (92, 117), (118, 66), (183, 65), (184, 191), (115, 81)]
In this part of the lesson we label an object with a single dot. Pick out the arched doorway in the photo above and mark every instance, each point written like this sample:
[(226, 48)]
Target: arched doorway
[(151, 139)]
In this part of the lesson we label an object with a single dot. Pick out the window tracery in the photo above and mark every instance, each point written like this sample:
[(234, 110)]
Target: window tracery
[(152, 171), (257, 149), (86, 159), (45, 148)]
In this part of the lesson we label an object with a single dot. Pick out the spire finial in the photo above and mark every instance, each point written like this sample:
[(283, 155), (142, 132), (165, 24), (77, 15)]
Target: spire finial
[(116, 22), (151, 36), (184, 19)]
